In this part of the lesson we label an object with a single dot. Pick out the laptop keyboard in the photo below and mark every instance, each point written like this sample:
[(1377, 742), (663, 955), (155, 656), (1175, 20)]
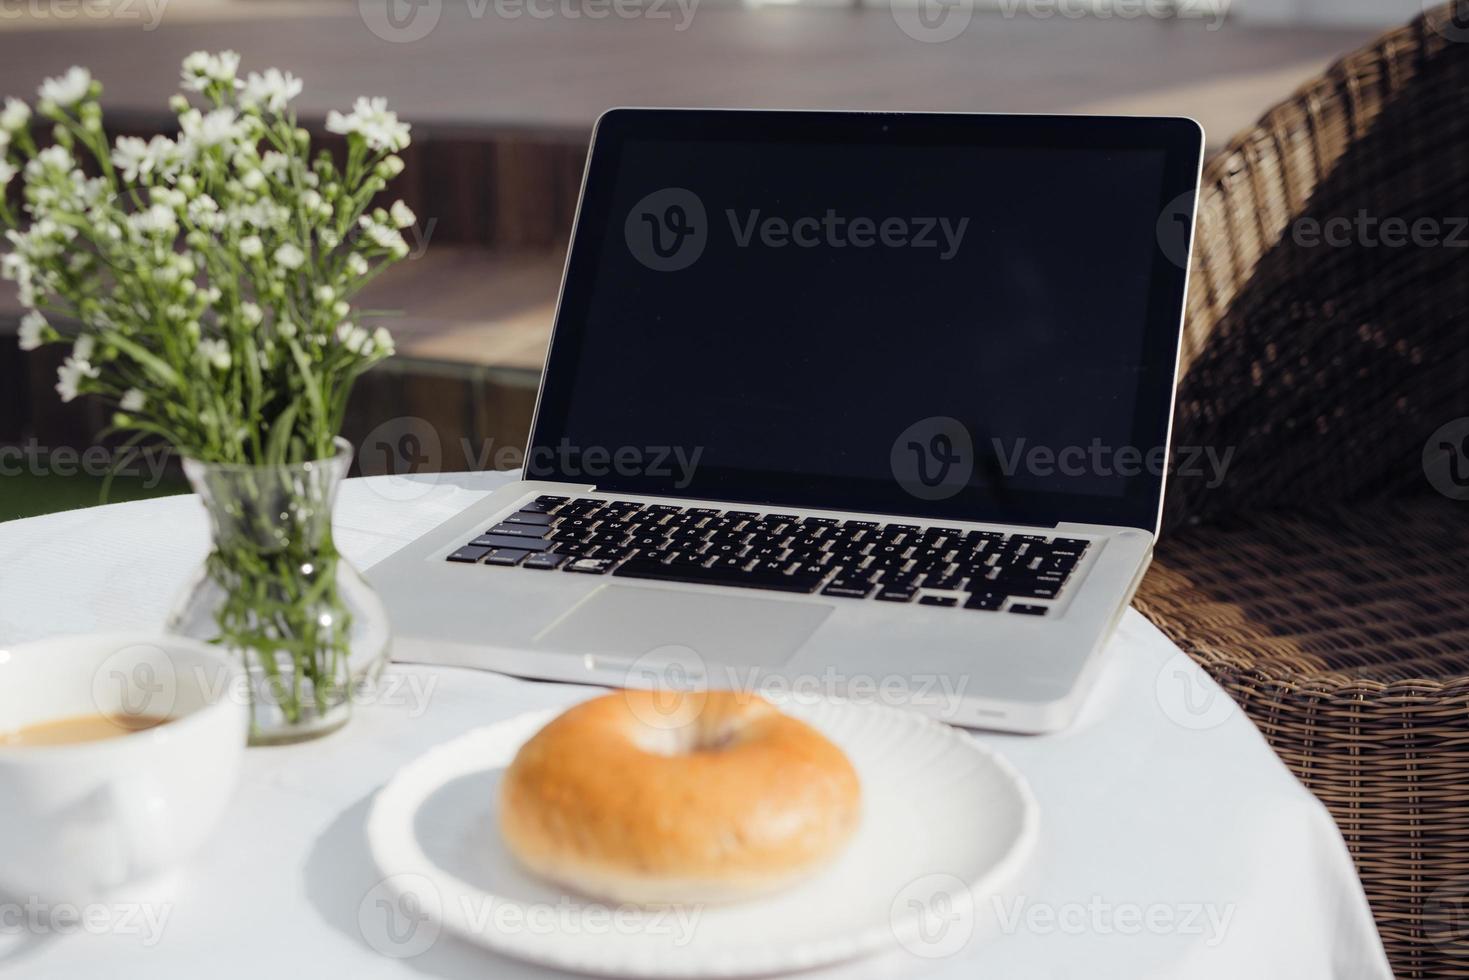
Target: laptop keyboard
[(932, 566)]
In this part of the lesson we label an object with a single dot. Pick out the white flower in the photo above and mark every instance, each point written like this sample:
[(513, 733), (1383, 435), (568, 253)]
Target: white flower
[(218, 127), (7, 173), (251, 247), (168, 197), (251, 314), (216, 353), (69, 377), (204, 213), (83, 348), (134, 157), (285, 328), (356, 265), (14, 116), (156, 220), (390, 167), (274, 163), (253, 180), (402, 215), (384, 237), (273, 90), (383, 340), (33, 328), (371, 119), (65, 90), (132, 400), (51, 158), (201, 68), (289, 257), (353, 337), (325, 294)]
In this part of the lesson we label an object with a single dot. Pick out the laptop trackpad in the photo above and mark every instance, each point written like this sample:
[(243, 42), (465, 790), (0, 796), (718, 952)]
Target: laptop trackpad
[(627, 624)]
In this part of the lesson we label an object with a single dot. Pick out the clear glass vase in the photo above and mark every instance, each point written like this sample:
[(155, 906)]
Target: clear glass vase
[(274, 589)]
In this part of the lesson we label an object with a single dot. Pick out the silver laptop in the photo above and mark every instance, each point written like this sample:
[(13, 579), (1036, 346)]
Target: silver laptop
[(865, 405)]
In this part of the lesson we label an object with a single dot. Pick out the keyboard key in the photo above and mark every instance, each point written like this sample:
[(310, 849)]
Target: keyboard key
[(469, 553), (640, 568), (544, 560), (1025, 610), (937, 600), (529, 517), (518, 530), (509, 541), (897, 594), (591, 566), (505, 556), (985, 600), (848, 588), (542, 505)]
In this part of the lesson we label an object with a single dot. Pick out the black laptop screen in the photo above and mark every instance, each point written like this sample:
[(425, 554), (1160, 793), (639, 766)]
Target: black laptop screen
[(970, 317)]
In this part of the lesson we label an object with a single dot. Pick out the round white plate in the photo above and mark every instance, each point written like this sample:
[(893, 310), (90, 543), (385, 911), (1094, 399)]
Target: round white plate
[(942, 816)]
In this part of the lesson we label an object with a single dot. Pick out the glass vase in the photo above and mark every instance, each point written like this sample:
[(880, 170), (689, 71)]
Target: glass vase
[(274, 589)]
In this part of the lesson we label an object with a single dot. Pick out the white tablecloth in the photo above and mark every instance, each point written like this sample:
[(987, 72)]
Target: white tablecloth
[(1173, 843)]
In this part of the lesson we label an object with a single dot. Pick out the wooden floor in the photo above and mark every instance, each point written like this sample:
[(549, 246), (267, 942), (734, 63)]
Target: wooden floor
[(476, 69)]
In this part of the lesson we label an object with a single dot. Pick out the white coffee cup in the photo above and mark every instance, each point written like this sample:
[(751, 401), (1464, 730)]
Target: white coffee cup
[(79, 821)]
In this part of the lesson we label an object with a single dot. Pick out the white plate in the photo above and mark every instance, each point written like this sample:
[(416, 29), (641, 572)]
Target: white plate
[(938, 807)]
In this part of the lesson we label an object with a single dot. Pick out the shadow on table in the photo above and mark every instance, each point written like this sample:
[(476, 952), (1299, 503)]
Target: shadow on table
[(350, 895), (18, 945)]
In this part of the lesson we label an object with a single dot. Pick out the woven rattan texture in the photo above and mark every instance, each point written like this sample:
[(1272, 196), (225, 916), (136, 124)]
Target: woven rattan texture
[(1325, 583)]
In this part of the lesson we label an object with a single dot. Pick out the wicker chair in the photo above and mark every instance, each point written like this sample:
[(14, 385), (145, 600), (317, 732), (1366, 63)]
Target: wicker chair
[(1325, 582)]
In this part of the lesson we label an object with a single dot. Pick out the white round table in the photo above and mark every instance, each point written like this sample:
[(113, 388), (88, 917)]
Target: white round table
[(1173, 842)]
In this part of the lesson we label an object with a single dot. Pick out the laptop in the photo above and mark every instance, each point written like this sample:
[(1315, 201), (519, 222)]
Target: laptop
[(863, 405)]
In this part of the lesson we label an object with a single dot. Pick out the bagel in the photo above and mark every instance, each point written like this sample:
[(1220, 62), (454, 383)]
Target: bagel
[(664, 797)]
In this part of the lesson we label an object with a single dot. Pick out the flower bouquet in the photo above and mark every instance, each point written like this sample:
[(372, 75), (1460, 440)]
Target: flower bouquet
[(205, 285)]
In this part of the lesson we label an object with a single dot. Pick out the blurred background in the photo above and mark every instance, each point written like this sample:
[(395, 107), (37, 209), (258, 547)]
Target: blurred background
[(502, 95)]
